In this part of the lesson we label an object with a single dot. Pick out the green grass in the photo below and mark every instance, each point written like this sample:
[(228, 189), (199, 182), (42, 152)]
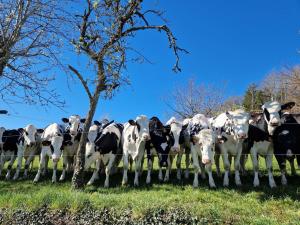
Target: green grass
[(244, 205)]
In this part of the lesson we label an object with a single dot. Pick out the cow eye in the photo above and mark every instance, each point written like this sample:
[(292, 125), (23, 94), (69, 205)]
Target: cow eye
[(70, 124), (26, 132)]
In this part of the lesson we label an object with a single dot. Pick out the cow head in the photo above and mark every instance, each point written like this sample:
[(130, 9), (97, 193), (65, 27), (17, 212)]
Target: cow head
[(206, 140), (196, 124), (73, 124), (272, 113), (56, 143), (142, 125), (175, 129), (30, 135), (237, 124)]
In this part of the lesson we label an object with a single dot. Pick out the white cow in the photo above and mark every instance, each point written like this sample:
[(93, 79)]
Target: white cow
[(134, 137), (29, 146), (52, 139), (232, 129), (203, 147)]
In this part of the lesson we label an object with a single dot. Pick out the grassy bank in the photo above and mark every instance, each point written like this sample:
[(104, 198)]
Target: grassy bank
[(231, 205)]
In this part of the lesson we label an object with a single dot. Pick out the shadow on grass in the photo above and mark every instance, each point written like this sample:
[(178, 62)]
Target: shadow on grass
[(292, 190)]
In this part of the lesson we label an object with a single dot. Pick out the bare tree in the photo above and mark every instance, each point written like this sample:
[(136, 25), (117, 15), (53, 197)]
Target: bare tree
[(190, 99), (283, 86), (28, 47), (105, 28)]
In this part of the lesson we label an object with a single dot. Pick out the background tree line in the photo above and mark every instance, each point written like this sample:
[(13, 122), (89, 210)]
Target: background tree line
[(191, 98)]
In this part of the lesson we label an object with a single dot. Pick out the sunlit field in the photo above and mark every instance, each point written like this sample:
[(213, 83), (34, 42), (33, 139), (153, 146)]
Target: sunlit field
[(233, 205)]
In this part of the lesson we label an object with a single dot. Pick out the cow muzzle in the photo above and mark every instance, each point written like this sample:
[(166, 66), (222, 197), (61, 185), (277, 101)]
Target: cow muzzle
[(146, 137), (242, 136), (206, 161), (274, 124), (175, 149), (55, 159)]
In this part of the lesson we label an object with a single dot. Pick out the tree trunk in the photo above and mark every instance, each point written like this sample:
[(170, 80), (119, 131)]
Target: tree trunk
[(78, 176)]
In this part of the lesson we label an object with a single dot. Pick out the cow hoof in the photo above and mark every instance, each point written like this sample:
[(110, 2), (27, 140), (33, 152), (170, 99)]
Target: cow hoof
[(136, 184), (124, 183), (15, 178), (7, 177), (213, 186), (89, 183), (166, 179), (273, 186), (35, 181), (148, 180), (61, 179), (106, 185)]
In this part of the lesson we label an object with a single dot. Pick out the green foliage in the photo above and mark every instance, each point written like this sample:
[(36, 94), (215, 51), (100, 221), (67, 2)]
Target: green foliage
[(253, 98)]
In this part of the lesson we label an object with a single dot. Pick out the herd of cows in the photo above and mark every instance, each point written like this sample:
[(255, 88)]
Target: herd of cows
[(233, 134)]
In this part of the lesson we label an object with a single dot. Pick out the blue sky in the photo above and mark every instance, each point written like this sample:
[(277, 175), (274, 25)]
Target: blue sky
[(234, 41)]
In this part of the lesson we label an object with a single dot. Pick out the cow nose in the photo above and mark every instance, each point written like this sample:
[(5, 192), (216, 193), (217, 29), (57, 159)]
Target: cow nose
[(289, 153), (274, 124), (206, 161), (242, 136), (55, 159), (146, 137), (175, 149)]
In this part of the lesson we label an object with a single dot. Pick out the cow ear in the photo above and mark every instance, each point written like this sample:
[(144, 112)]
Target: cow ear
[(21, 130), (65, 120), (132, 122), (82, 120), (288, 105), (40, 131), (228, 114), (184, 126), (96, 122)]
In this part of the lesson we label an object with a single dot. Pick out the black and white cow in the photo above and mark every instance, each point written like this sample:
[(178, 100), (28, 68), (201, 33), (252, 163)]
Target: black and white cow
[(202, 139), (134, 137), (286, 140), (10, 143), (29, 147), (159, 144), (52, 140), (232, 130), (273, 117), (179, 144), (72, 135), (259, 143), (103, 146)]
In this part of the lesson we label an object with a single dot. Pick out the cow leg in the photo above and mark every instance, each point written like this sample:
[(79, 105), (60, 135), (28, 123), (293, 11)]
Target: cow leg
[(196, 166), (217, 161), (237, 165), (255, 167), (28, 161), (125, 167), (187, 164), (202, 167), (292, 164), (244, 158), (10, 164), (169, 167), (226, 164), (65, 165), (108, 169), (138, 164), (2, 161), (269, 158), (45, 170), (41, 166), (298, 160), (210, 177), (282, 165), (54, 180), (149, 167), (95, 173), (178, 165), (19, 163)]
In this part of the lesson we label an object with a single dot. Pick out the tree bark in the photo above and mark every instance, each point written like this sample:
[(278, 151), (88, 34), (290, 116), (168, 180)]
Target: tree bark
[(78, 176)]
